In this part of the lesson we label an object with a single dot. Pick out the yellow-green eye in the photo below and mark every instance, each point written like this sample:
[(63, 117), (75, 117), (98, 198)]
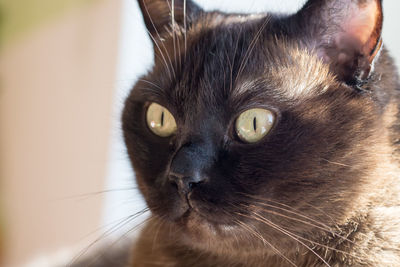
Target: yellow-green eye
[(160, 120), (253, 124)]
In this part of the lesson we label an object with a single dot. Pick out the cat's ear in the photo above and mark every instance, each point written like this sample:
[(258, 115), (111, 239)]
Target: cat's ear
[(160, 15), (345, 33)]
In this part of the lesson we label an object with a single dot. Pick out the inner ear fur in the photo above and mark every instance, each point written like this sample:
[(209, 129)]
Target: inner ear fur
[(159, 14), (346, 34)]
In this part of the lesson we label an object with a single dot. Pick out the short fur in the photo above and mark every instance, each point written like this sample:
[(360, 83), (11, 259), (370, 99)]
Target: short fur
[(321, 189)]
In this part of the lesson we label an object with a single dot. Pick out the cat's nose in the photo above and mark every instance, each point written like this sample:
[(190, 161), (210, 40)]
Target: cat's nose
[(189, 165), (184, 183)]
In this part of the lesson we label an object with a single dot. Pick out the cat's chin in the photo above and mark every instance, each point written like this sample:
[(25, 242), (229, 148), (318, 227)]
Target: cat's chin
[(200, 228), (202, 233)]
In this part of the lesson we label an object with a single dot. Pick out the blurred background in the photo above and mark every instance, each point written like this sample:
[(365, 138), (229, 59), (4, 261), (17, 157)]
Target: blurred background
[(65, 69)]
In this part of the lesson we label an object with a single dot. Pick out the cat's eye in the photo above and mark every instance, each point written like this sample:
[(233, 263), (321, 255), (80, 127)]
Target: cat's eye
[(160, 120), (253, 124)]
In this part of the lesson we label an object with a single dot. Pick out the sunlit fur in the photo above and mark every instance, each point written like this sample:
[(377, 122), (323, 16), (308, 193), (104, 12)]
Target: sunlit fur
[(321, 189)]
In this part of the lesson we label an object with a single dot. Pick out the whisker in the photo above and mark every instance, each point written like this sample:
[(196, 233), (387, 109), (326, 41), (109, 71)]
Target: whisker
[(97, 193), (323, 213), (108, 232), (135, 227), (336, 163), (258, 235), (234, 54), (322, 245), (107, 225), (268, 222), (292, 236), (160, 223), (289, 209), (152, 91), (251, 48), (308, 223), (179, 51), (151, 83), (184, 25), (173, 25), (156, 43), (313, 242), (304, 216), (120, 238), (162, 54), (298, 214), (173, 33)]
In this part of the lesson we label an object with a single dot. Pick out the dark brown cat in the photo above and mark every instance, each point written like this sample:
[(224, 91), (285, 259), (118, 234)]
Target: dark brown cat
[(267, 140)]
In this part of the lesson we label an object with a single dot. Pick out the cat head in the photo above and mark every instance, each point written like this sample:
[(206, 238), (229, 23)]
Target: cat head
[(251, 122)]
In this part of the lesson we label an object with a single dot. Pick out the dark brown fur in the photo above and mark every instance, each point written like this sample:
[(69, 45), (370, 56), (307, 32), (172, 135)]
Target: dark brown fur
[(320, 189)]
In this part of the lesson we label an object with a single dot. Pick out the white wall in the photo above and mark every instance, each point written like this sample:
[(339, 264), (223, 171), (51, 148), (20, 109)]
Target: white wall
[(136, 57)]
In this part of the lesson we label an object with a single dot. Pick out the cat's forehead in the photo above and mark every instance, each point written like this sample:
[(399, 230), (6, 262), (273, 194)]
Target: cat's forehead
[(290, 73), (246, 54)]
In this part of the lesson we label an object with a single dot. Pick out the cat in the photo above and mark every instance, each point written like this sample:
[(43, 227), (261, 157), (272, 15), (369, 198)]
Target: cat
[(266, 139)]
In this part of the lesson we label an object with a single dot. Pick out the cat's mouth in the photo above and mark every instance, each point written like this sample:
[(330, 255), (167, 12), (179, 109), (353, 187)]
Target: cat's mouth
[(199, 217), (194, 222), (202, 212)]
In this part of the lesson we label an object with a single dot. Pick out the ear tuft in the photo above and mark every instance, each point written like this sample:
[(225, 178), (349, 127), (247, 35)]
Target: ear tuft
[(346, 34)]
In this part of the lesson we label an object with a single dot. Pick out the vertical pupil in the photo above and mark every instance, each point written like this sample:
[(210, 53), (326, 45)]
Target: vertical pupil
[(162, 118), (255, 123)]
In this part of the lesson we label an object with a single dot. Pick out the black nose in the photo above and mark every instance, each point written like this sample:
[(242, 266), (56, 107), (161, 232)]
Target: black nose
[(187, 169), (185, 184)]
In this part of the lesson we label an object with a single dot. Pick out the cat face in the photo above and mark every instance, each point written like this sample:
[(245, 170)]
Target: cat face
[(255, 123)]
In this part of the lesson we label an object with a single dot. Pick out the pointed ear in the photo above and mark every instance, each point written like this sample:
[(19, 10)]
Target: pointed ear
[(346, 34), (159, 15)]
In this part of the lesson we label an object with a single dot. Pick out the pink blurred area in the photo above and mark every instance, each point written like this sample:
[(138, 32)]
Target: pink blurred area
[(55, 114)]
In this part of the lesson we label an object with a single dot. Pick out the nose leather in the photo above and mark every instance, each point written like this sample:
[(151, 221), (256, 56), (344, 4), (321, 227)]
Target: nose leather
[(185, 184), (188, 167)]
